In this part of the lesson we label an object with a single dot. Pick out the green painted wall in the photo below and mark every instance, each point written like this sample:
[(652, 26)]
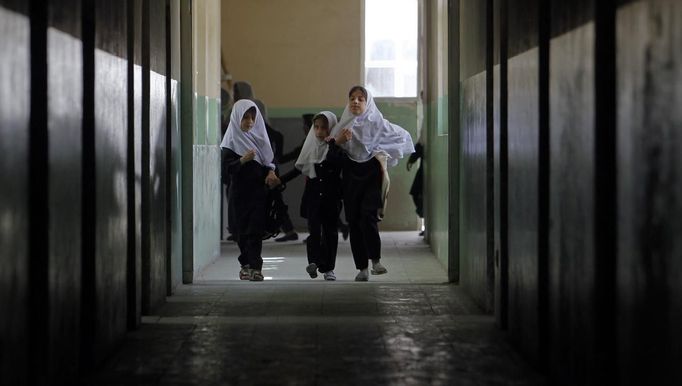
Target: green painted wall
[(436, 178), (207, 185), (436, 133), (400, 211), (206, 127)]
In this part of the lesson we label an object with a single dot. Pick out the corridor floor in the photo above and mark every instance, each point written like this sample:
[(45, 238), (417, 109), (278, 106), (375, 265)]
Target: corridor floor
[(407, 327)]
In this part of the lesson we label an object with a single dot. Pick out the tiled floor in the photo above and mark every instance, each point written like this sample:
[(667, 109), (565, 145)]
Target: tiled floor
[(404, 328)]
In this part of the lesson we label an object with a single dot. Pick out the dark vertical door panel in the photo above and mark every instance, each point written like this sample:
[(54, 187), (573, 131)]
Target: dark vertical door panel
[(522, 145), (137, 149), (523, 198), (473, 166), (65, 100), (175, 148), (157, 153), (649, 83), (111, 172), (14, 129), (497, 306), (134, 162), (473, 200), (500, 154), (572, 257)]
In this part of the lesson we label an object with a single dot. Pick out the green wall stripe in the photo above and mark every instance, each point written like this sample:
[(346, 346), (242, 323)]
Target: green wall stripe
[(206, 120), (200, 120), (213, 121)]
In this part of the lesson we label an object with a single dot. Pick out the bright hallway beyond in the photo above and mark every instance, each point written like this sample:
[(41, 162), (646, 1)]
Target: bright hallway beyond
[(405, 328)]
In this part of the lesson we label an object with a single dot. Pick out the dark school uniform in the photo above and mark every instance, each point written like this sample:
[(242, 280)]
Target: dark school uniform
[(248, 194), (417, 188), (321, 205), (362, 201)]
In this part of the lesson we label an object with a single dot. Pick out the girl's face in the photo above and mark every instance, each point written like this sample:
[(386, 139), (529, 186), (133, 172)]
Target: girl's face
[(357, 103), (248, 120), (321, 128)]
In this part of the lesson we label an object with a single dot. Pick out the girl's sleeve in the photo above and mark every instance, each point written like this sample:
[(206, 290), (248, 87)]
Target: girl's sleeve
[(418, 153), (231, 162), (290, 175), (335, 154)]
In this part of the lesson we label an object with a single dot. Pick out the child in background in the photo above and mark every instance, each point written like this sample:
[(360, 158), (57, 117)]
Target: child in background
[(248, 160), (321, 203)]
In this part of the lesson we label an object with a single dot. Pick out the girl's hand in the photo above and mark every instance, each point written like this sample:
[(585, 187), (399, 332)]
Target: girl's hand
[(249, 156), (344, 136), (272, 180)]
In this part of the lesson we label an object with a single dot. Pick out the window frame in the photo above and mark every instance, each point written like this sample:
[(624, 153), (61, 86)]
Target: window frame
[(421, 55)]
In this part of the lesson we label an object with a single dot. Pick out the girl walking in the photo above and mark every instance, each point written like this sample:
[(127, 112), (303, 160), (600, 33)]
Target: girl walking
[(248, 159), (372, 144), (321, 202)]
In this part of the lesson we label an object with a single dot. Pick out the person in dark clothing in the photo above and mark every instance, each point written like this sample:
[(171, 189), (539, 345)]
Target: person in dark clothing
[(226, 108), (290, 175), (321, 201), (294, 153), (240, 90), (282, 209), (417, 188), (372, 144), (248, 160)]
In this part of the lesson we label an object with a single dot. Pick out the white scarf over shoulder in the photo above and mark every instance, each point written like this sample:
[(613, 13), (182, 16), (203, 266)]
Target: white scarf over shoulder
[(314, 150), (255, 139), (373, 134)]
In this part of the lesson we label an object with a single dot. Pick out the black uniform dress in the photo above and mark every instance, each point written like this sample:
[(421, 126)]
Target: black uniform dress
[(362, 201), (321, 205), (248, 194), (417, 188)]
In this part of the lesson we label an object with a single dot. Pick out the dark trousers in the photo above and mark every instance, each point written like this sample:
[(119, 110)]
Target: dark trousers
[(323, 241), (365, 242), (362, 200), (418, 200), (250, 248)]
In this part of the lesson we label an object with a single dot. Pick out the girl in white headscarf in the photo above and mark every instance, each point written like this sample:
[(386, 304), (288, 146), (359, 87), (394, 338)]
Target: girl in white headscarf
[(248, 161), (321, 201), (372, 144)]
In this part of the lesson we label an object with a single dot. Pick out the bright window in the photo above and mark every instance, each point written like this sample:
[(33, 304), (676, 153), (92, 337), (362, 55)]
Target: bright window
[(392, 47)]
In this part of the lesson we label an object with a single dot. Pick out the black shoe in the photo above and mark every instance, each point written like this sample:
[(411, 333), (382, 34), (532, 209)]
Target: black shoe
[(421, 233), (288, 237)]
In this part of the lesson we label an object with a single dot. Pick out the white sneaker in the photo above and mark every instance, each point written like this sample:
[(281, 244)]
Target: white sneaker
[(312, 270), (329, 275), (363, 275), (377, 268)]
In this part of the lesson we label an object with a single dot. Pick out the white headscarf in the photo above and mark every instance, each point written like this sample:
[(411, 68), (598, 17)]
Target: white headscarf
[(255, 139), (372, 135), (314, 150)]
